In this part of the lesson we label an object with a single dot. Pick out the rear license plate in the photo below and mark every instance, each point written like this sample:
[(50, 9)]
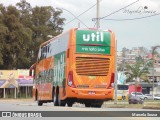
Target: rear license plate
[(91, 92)]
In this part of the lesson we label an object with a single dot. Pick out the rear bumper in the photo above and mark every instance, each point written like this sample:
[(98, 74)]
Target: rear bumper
[(100, 94)]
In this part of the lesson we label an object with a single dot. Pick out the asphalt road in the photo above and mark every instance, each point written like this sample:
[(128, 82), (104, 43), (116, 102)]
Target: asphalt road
[(100, 113)]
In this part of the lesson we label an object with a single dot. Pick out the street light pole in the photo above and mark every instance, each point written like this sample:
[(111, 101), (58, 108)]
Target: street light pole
[(73, 16), (115, 76), (154, 48)]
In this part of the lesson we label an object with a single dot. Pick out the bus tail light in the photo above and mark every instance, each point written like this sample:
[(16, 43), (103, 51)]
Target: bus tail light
[(70, 79), (112, 81)]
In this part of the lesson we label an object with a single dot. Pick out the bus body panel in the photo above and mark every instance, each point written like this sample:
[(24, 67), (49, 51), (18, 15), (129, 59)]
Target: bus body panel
[(102, 94), (63, 58), (90, 82)]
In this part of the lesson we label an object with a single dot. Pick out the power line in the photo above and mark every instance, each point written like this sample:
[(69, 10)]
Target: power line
[(73, 16), (95, 24), (119, 9), (133, 18), (82, 13)]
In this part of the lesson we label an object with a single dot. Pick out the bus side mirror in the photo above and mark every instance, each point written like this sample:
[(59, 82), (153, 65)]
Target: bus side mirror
[(30, 72)]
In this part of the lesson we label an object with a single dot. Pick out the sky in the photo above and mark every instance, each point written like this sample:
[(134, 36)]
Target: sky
[(129, 33)]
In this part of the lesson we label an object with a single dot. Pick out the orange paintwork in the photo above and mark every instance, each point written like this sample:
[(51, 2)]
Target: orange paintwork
[(45, 64), (91, 82)]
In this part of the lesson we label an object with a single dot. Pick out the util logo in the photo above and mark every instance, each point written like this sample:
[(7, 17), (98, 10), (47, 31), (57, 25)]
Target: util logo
[(98, 36)]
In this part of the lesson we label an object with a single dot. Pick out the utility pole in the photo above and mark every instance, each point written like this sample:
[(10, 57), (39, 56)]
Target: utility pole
[(115, 75), (153, 50), (79, 24), (98, 20)]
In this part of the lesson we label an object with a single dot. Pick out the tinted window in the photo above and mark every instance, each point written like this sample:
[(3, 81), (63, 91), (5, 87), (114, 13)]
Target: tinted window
[(122, 87), (148, 95), (139, 94)]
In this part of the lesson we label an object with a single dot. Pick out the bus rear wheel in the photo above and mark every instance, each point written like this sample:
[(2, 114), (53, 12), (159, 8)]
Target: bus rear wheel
[(62, 103), (69, 103), (87, 104), (40, 103), (57, 101), (97, 105)]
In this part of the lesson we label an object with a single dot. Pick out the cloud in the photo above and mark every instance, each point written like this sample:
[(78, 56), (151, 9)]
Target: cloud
[(144, 32), (61, 4)]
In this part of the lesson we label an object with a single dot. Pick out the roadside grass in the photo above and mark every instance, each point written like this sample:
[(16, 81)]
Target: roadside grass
[(152, 104), (122, 101), (148, 104), (119, 105), (16, 100)]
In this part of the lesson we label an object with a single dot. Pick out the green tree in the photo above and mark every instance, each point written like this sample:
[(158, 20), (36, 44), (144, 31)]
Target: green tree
[(156, 53), (25, 10), (3, 33), (43, 21), (137, 72), (17, 39), (23, 29), (139, 59)]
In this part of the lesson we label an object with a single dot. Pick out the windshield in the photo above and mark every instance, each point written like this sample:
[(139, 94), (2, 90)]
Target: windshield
[(122, 87)]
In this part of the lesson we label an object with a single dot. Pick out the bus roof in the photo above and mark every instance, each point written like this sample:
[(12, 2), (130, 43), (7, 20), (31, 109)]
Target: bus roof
[(43, 44), (48, 41)]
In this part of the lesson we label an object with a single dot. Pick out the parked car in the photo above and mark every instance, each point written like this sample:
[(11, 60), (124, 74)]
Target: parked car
[(135, 100), (157, 97), (139, 95), (148, 96)]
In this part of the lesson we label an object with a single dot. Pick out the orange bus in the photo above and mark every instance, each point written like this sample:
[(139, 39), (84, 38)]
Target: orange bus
[(76, 66)]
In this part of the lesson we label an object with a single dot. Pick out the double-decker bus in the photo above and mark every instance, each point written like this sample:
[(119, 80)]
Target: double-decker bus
[(76, 66)]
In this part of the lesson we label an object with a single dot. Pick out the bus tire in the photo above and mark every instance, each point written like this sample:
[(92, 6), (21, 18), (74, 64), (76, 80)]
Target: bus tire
[(40, 103), (54, 95), (69, 104), (97, 105), (57, 101), (87, 104), (62, 103), (36, 95)]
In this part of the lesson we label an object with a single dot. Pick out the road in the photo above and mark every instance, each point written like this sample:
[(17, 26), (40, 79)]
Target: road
[(30, 105)]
